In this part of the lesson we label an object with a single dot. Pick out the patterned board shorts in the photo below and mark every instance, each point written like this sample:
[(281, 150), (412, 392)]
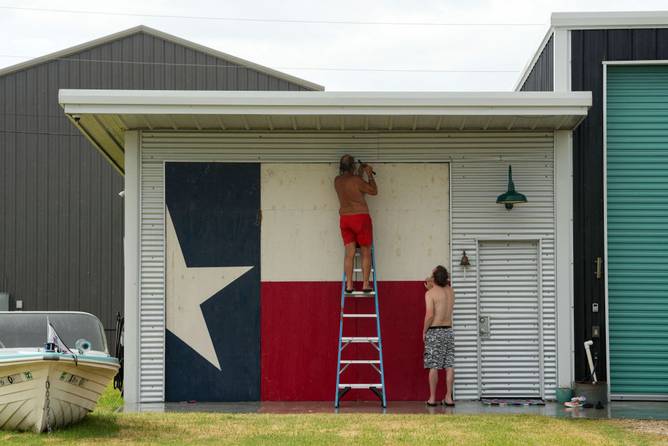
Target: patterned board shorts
[(439, 348)]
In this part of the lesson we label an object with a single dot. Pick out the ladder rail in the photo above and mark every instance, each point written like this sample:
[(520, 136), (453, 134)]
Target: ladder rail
[(340, 349), (380, 340)]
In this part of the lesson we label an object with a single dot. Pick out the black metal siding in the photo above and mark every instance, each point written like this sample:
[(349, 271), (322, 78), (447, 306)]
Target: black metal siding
[(589, 49), (541, 77), (61, 219)]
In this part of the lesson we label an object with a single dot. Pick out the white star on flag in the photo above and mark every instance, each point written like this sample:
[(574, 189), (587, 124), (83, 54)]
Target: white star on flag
[(187, 289)]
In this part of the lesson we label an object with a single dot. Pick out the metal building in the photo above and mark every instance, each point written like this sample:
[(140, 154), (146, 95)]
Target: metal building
[(61, 219), (231, 220), (620, 163)]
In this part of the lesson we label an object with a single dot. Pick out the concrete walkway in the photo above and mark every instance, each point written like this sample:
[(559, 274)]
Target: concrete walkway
[(616, 409)]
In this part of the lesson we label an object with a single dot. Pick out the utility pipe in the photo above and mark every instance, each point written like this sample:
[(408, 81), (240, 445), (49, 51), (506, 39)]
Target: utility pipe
[(588, 344)]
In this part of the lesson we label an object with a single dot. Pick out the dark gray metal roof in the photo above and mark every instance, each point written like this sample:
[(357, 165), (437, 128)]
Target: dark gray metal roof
[(168, 37)]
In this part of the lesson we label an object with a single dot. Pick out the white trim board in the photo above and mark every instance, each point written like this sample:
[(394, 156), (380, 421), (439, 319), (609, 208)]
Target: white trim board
[(131, 241), (563, 215), (143, 101), (605, 226), (609, 20), (635, 62)]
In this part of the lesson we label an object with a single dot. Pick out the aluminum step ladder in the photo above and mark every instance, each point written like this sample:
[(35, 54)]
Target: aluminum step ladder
[(376, 362)]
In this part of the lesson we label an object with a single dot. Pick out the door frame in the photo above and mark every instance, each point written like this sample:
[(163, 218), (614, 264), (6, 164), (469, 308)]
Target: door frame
[(539, 267)]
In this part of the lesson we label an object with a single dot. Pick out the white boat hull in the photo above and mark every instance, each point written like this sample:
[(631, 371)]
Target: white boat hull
[(28, 403)]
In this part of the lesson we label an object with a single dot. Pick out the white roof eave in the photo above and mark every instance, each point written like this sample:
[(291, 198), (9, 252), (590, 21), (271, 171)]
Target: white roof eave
[(610, 20), (338, 103), (104, 115)]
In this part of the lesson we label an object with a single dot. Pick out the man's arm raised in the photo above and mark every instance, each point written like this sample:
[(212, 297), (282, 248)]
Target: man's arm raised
[(369, 187)]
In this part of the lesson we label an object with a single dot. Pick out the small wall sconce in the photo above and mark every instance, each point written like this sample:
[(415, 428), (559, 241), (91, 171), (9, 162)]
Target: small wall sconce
[(511, 196), (465, 260)]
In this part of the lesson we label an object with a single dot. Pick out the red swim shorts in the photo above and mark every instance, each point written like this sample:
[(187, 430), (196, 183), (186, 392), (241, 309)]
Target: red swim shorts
[(356, 228)]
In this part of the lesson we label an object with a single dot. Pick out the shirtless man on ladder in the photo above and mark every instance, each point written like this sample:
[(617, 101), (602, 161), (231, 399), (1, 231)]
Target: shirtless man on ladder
[(355, 221)]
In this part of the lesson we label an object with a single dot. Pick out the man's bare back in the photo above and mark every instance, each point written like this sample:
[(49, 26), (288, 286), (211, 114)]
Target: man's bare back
[(442, 300), (351, 190)]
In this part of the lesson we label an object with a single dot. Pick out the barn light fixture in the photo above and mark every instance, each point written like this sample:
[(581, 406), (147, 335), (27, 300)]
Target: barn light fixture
[(465, 260), (511, 196)]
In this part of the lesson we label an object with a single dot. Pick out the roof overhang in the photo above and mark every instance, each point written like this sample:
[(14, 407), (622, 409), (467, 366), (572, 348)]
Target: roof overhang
[(610, 20), (104, 115), (594, 20)]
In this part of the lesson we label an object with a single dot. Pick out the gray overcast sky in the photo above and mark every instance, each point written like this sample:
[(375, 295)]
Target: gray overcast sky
[(293, 47)]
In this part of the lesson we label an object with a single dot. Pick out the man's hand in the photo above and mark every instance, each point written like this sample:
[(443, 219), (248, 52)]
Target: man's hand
[(368, 169)]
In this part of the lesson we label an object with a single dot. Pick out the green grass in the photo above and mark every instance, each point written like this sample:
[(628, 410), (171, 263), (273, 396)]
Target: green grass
[(110, 401), (107, 427)]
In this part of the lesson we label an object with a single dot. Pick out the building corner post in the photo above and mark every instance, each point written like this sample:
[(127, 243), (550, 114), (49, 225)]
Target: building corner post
[(131, 260), (563, 181)]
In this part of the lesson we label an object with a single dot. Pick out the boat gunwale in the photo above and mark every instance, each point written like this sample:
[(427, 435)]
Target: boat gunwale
[(53, 357)]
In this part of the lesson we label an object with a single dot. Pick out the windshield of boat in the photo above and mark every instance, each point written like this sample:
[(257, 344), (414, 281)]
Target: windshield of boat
[(28, 329)]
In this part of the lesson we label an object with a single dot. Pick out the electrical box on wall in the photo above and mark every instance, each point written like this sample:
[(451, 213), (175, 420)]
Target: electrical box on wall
[(4, 301)]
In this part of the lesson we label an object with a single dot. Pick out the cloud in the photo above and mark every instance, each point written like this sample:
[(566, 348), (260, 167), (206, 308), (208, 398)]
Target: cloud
[(291, 46)]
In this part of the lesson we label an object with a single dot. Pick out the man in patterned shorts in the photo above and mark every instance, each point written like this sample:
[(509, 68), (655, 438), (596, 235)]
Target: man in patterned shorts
[(438, 336)]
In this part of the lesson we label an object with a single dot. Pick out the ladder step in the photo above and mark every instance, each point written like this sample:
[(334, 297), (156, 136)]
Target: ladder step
[(361, 294), (359, 339), (360, 361), (360, 386), (360, 315), (359, 270)]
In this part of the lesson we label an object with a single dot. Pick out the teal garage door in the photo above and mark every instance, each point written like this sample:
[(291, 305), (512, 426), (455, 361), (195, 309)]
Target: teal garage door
[(637, 209)]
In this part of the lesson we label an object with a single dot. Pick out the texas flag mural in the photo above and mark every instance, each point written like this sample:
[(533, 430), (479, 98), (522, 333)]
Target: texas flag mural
[(253, 276)]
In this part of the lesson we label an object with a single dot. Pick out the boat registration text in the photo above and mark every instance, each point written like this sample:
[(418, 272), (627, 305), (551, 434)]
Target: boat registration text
[(72, 379), (15, 378)]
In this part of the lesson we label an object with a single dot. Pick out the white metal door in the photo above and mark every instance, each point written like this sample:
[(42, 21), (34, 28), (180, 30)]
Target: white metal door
[(509, 335)]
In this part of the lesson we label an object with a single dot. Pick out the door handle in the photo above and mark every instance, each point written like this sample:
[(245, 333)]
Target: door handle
[(599, 269)]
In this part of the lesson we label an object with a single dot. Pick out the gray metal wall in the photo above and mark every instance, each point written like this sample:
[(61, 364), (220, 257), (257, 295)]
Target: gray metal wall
[(589, 48), (61, 219), (541, 77)]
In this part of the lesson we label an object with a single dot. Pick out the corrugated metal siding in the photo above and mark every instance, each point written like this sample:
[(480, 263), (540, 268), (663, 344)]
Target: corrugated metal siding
[(637, 210), (588, 49), (476, 182), (541, 77), (508, 284), (479, 163), (61, 220)]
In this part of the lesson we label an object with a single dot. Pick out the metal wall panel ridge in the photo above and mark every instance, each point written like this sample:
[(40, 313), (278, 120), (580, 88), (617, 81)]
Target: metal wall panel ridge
[(479, 167), (637, 228)]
